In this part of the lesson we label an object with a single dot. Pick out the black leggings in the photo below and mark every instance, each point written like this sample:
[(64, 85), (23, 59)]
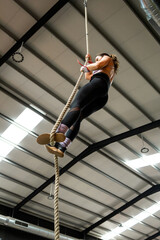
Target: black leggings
[(89, 99)]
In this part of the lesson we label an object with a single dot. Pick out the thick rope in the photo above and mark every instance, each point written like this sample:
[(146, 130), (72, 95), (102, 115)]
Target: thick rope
[(64, 110), (56, 193), (53, 131), (56, 190)]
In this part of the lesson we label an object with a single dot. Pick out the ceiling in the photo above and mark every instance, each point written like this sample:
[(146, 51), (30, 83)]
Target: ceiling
[(101, 182)]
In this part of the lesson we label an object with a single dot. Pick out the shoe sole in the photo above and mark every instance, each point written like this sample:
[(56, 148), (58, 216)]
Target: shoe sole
[(55, 151), (45, 138)]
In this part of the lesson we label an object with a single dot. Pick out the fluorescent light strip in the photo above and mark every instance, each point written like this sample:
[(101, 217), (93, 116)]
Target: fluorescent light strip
[(29, 119), (144, 161), (133, 221), (21, 127), (5, 148), (14, 134)]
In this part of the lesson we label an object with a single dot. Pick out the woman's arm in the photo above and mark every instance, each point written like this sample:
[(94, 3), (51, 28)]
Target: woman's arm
[(99, 64), (88, 75), (103, 62)]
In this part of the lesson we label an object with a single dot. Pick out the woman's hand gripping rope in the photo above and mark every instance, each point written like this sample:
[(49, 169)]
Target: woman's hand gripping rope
[(84, 68)]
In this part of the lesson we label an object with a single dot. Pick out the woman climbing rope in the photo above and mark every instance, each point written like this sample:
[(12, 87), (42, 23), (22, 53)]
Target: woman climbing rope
[(89, 99)]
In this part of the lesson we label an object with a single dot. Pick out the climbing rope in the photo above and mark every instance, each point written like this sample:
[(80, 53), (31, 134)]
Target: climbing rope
[(52, 134), (56, 206), (53, 131)]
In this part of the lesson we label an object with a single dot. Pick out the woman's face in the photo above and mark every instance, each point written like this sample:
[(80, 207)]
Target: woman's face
[(98, 58)]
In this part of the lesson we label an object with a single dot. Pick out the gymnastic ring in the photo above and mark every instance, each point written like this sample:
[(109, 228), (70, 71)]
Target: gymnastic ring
[(19, 55), (144, 150)]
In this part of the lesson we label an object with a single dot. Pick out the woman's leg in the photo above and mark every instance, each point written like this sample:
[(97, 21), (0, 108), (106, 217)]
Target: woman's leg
[(94, 106), (88, 100), (96, 88), (86, 112)]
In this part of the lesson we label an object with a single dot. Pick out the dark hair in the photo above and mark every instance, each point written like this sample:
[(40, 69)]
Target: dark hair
[(103, 54), (114, 58)]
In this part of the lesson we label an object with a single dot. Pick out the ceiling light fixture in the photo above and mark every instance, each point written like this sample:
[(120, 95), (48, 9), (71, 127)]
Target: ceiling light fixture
[(144, 161), (14, 134)]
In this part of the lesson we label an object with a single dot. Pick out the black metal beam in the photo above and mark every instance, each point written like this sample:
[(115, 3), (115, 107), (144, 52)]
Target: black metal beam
[(148, 192), (92, 148), (153, 236), (33, 30)]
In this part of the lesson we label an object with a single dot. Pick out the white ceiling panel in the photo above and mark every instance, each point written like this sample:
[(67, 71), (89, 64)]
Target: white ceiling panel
[(46, 44), (8, 10), (144, 49), (5, 41), (70, 28), (11, 107), (14, 187), (39, 6), (10, 198), (152, 65), (21, 175), (115, 25)]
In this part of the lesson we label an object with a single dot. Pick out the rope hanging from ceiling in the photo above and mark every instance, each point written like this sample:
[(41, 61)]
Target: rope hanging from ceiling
[(57, 137)]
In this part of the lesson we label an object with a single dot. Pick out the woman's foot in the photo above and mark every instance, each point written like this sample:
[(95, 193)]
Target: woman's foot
[(57, 149), (60, 147)]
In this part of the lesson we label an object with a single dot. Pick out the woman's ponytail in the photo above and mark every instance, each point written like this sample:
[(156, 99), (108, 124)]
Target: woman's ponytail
[(115, 61)]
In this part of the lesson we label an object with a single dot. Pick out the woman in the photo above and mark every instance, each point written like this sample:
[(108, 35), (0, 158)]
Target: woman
[(89, 99)]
